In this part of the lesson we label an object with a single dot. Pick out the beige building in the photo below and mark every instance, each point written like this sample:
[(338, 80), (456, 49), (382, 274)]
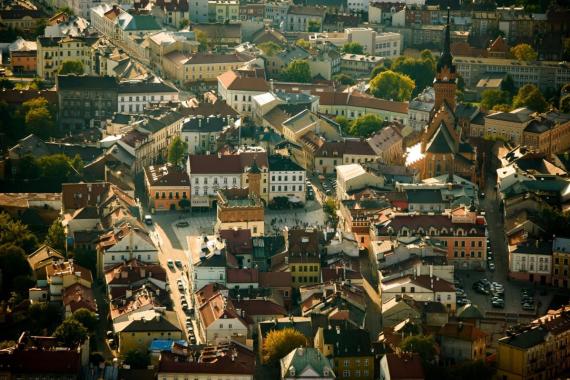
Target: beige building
[(548, 133), (508, 126), (223, 10), (354, 104), (200, 67), (359, 64), (352, 177), (53, 52), (165, 42)]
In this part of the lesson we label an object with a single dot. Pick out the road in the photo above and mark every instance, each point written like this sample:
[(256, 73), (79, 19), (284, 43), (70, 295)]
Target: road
[(498, 243)]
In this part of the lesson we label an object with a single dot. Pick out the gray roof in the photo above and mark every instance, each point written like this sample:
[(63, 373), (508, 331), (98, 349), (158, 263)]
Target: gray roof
[(424, 196), (520, 115), (526, 339), (86, 82), (140, 87), (205, 124), (280, 163)]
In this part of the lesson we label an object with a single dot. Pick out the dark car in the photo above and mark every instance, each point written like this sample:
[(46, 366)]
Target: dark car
[(182, 224)]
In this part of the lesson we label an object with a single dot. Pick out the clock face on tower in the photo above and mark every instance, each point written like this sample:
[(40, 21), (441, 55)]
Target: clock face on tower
[(444, 78)]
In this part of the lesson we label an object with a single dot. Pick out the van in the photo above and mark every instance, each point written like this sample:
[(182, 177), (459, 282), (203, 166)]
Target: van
[(148, 220)]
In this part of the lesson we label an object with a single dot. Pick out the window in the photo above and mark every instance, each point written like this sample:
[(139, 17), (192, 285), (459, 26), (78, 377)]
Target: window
[(403, 290), (346, 373), (412, 289), (346, 362)]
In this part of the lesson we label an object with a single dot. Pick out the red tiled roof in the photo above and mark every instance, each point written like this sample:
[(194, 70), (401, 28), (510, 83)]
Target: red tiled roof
[(241, 364), (275, 279), (133, 271), (213, 163), (67, 268), (462, 331), (439, 285), (360, 100), (237, 241), (233, 81), (260, 307), (240, 276), (78, 296), (406, 366)]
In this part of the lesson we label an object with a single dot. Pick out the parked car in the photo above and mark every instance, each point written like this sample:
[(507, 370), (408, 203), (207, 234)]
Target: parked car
[(148, 220), (170, 263), (182, 224), (178, 263), (492, 267)]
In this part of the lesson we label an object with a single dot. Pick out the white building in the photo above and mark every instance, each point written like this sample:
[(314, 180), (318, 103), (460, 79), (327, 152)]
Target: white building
[(387, 45), (531, 261), (238, 90), (287, 179), (420, 288), (201, 132), (208, 173), (354, 177), (122, 244), (81, 8), (420, 108), (135, 96), (357, 5)]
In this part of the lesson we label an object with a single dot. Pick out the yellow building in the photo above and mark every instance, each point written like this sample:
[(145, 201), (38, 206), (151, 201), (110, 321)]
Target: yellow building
[(508, 126), (54, 51), (539, 351), (200, 67), (62, 274), (354, 104), (223, 10), (349, 350), (560, 262), (303, 256), (144, 327)]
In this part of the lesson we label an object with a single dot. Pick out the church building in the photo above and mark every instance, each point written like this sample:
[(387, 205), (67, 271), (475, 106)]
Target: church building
[(442, 150)]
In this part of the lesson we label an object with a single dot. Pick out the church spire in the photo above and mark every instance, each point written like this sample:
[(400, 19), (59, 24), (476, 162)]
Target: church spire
[(446, 59)]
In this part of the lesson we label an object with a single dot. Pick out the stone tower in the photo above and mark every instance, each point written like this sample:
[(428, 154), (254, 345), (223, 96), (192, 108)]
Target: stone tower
[(445, 85), (254, 179)]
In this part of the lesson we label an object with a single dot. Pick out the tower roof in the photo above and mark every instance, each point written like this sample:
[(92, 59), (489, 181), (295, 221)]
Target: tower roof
[(254, 169), (446, 59)]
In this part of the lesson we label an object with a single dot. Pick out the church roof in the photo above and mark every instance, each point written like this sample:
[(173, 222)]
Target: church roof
[(446, 59), (441, 142)]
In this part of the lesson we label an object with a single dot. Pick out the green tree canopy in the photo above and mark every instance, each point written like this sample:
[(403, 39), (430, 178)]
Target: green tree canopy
[(297, 70), (343, 123), (377, 70), (524, 52), (424, 345), (304, 44), (366, 125), (530, 96), (6, 84), (344, 79), (56, 166), (71, 67), (392, 86), (55, 237), (491, 98), (177, 151), (502, 107), (87, 318), (13, 264), (43, 315), (270, 48), (16, 233), (314, 26), (71, 332), (353, 48), (508, 84), (420, 70), (279, 343), (137, 359), (39, 122), (86, 258)]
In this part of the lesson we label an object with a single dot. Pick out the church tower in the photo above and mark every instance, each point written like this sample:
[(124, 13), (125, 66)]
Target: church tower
[(254, 179), (445, 78)]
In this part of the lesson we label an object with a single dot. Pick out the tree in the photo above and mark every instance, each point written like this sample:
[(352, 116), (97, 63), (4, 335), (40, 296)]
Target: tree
[(565, 104), (55, 237), (343, 123), (56, 167), (184, 204), (270, 48), (353, 48), (39, 122), (13, 264), (366, 125), (424, 345), (314, 26), (77, 164), (491, 98), (304, 44), (420, 70), (28, 167), (524, 52), (71, 332), (392, 86), (554, 222), (184, 23), (377, 70), (71, 67), (279, 343), (137, 359), (508, 84), (86, 258), (6, 84), (344, 79), (297, 70), (7, 344), (502, 107), (202, 40), (43, 315), (16, 233), (87, 318), (177, 151), (530, 96)]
